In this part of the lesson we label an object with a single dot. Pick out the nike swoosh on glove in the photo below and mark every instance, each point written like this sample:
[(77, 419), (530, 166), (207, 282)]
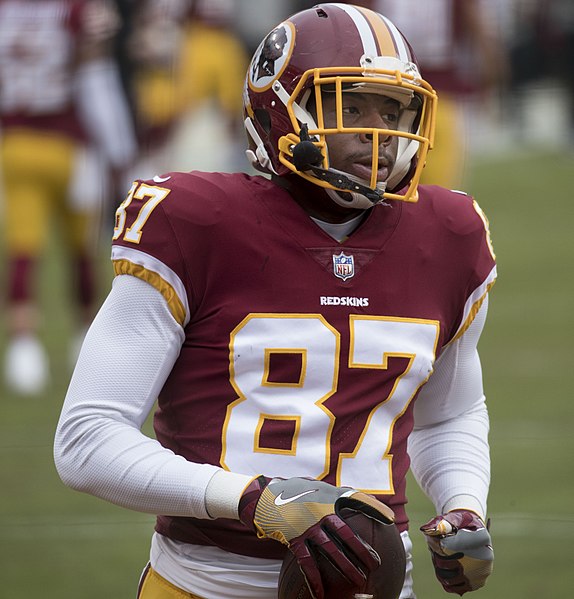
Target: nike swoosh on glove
[(461, 549), (304, 515)]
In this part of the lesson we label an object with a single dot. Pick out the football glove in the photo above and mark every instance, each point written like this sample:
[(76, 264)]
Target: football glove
[(461, 549), (304, 515)]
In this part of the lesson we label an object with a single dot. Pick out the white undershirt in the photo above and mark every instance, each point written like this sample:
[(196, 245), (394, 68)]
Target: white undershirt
[(339, 231), (126, 357)]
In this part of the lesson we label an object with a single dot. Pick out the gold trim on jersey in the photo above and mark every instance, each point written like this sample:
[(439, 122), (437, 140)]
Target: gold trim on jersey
[(472, 313), (125, 267), (486, 223)]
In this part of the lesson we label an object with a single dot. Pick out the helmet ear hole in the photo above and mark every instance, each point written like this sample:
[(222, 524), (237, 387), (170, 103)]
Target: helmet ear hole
[(416, 106), (416, 103), (263, 118)]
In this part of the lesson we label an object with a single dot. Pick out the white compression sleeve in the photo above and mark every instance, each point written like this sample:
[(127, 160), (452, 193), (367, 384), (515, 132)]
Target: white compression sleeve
[(126, 357), (449, 448)]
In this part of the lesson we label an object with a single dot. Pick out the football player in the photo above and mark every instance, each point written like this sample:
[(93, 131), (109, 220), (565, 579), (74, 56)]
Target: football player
[(300, 330), (61, 108)]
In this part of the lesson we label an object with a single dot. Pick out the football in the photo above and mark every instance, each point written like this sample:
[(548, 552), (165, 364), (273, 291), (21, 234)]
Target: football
[(385, 582)]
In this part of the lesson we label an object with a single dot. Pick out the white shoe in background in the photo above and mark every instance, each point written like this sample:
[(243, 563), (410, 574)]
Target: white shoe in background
[(26, 369)]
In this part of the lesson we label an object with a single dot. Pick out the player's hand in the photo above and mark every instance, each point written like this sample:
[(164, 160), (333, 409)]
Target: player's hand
[(461, 550), (304, 515)]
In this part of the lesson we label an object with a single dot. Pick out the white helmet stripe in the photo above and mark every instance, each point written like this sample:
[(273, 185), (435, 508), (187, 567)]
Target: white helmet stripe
[(367, 37), (402, 49)]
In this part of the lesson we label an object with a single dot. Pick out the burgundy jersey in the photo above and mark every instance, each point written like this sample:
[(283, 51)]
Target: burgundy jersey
[(302, 356), (38, 41)]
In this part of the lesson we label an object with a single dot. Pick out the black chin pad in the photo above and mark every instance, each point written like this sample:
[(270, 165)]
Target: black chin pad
[(305, 155)]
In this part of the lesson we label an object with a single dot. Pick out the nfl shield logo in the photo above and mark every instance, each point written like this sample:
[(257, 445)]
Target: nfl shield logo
[(343, 266)]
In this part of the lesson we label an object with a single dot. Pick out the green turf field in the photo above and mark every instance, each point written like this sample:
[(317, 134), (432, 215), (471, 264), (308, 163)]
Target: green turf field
[(59, 544)]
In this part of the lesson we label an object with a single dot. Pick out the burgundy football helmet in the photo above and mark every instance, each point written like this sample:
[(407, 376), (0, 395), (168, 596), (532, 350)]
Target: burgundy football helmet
[(336, 48)]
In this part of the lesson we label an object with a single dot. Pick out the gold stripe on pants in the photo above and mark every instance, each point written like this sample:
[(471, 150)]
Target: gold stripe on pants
[(154, 586)]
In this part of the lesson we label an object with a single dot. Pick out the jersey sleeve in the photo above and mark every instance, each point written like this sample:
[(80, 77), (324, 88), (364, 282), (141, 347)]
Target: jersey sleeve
[(479, 254), (145, 245)]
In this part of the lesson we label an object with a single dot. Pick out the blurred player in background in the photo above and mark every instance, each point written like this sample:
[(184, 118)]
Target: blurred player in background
[(555, 20), (65, 125), (213, 64), (298, 330), (153, 53), (187, 68)]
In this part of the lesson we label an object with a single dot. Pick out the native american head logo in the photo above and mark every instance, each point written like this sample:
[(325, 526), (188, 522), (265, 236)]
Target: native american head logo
[(271, 56)]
